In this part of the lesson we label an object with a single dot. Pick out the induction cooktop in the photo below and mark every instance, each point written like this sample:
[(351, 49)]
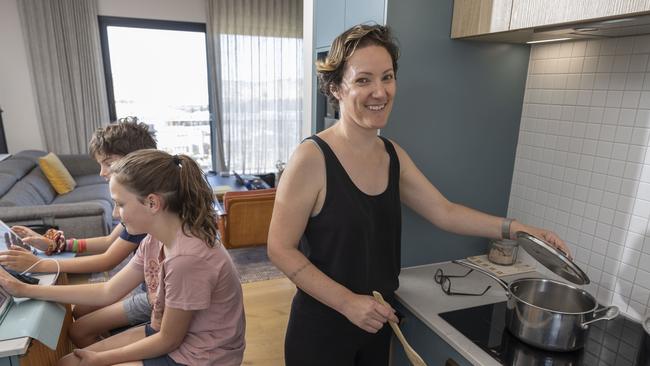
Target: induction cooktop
[(617, 342)]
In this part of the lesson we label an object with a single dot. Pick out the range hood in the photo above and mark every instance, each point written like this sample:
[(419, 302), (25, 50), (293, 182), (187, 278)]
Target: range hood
[(632, 25)]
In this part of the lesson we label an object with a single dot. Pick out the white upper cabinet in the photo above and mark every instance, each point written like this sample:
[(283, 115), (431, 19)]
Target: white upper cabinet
[(535, 13), (332, 17)]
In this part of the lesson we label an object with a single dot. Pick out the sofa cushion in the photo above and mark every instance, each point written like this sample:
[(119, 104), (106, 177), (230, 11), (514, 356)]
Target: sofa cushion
[(57, 173), (6, 182), (86, 193), (22, 194), (86, 180), (16, 167), (37, 179)]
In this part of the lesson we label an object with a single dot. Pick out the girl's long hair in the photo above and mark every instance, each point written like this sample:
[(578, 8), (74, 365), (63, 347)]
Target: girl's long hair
[(179, 181)]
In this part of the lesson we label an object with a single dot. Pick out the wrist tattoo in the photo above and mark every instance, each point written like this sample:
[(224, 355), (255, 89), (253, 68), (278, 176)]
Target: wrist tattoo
[(293, 274)]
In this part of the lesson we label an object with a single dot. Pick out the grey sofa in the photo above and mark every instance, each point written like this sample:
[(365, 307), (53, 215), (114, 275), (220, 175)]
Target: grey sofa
[(27, 198)]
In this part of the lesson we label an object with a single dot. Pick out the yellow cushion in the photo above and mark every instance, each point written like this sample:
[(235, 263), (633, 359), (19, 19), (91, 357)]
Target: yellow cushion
[(56, 173)]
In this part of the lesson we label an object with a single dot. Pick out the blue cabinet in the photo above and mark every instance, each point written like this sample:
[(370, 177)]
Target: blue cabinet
[(329, 21), (433, 349), (332, 17), (364, 11)]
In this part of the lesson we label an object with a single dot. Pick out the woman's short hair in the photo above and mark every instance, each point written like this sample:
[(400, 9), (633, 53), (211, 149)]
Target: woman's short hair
[(330, 70)]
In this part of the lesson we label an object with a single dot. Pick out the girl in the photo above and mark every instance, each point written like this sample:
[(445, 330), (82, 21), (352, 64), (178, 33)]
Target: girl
[(198, 314)]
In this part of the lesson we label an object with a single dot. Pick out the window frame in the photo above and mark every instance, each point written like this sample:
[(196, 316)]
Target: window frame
[(107, 21)]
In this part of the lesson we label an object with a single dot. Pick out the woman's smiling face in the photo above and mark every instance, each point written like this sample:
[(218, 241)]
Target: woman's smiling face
[(367, 88)]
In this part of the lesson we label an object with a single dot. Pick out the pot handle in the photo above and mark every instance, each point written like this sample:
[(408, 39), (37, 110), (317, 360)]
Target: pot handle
[(611, 312), (473, 266)]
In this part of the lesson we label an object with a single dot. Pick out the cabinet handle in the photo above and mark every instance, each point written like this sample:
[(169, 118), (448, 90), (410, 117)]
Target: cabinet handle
[(451, 362)]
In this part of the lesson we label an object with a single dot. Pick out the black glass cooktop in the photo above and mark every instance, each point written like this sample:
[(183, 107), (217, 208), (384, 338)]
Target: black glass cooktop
[(618, 342)]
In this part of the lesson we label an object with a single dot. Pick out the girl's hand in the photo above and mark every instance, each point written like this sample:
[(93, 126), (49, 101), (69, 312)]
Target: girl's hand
[(11, 285), (24, 231), (368, 314), (18, 259), (89, 358)]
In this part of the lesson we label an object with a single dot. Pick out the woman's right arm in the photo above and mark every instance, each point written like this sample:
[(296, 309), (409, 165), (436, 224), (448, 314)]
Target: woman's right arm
[(296, 197), (98, 294)]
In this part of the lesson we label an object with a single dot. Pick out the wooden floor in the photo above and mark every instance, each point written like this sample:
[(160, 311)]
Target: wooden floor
[(267, 305)]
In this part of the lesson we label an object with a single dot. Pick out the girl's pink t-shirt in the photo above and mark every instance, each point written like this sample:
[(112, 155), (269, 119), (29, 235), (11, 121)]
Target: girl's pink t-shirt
[(196, 277)]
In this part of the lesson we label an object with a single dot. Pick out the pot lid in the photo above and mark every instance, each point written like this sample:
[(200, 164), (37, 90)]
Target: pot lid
[(553, 259)]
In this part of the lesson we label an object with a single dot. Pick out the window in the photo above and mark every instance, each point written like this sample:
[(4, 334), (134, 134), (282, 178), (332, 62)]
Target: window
[(261, 86), (157, 71)]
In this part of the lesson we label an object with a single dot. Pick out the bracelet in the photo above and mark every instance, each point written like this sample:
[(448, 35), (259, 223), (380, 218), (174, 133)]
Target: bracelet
[(76, 245), (57, 241), (505, 228), (82, 246)]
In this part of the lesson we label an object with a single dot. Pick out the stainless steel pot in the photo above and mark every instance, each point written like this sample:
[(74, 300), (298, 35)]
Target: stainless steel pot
[(549, 314)]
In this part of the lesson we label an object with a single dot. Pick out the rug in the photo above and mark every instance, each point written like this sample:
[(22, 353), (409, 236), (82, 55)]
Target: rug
[(253, 264)]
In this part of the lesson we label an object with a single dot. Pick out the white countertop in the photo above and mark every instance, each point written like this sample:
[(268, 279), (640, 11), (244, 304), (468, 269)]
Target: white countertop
[(421, 295), (18, 346)]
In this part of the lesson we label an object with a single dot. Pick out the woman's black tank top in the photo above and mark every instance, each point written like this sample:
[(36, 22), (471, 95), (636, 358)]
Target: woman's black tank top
[(355, 238)]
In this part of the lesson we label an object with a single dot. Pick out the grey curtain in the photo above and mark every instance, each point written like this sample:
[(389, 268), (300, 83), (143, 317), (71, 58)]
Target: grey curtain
[(255, 57), (62, 38)]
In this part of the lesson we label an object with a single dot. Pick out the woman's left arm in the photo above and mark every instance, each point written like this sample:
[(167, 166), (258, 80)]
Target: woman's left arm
[(174, 327), (422, 197)]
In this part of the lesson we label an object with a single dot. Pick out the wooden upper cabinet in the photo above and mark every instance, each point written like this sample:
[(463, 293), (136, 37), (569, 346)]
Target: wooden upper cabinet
[(479, 17), (475, 17), (535, 13)]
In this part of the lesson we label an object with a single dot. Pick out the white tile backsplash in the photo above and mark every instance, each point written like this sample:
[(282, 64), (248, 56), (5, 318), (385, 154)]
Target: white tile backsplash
[(582, 166)]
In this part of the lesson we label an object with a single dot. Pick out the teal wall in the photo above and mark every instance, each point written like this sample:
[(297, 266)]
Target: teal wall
[(457, 113)]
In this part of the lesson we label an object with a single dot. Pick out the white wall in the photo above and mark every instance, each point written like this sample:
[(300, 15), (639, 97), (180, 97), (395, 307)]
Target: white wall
[(582, 166), (180, 10), (17, 98)]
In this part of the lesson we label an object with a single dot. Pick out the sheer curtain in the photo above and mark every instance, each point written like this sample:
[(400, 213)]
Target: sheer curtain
[(65, 59), (257, 48)]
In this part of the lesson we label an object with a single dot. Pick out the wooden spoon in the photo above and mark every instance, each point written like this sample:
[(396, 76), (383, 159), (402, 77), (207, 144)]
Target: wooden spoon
[(413, 356)]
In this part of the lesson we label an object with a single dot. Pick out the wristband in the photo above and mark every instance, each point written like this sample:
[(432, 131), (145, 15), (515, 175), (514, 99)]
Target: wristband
[(505, 228)]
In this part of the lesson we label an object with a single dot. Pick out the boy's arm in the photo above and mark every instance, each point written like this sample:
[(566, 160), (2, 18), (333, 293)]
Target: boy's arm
[(102, 243), (21, 260), (106, 261)]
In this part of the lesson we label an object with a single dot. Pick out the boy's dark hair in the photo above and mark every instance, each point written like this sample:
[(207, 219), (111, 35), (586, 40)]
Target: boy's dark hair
[(330, 71), (121, 138)]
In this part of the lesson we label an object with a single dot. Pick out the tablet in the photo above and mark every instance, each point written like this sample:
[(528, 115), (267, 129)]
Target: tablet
[(10, 238)]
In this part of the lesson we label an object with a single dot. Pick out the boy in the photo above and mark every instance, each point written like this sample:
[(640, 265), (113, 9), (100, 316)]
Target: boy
[(107, 145)]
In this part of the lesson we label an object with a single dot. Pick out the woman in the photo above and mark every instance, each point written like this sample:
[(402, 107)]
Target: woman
[(340, 199)]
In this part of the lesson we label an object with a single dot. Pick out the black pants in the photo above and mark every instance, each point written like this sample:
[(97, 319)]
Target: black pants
[(318, 335)]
